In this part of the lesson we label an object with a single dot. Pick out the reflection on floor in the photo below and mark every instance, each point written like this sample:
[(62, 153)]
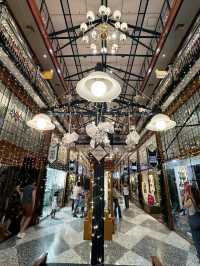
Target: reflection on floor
[(138, 237)]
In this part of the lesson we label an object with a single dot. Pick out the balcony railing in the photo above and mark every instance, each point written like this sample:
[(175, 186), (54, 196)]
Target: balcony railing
[(48, 25), (167, 5), (186, 58), (16, 47)]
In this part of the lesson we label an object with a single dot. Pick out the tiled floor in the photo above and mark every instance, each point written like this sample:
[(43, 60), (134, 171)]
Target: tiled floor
[(138, 237)]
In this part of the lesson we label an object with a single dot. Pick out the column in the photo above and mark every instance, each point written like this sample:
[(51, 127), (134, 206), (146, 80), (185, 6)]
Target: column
[(164, 189), (97, 250)]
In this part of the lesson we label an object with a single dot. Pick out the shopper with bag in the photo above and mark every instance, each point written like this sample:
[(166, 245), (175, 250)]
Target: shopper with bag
[(192, 203)]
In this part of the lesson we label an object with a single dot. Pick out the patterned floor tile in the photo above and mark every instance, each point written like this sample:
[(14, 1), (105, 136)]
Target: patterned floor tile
[(124, 226), (8, 257), (77, 225), (8, 243), (131, 258), (131, 213), (69, 256), (29, 251), (138, 237), (113, 252), (83, 250), (168, 254), (155, 225), (177, 241), (192, 260)]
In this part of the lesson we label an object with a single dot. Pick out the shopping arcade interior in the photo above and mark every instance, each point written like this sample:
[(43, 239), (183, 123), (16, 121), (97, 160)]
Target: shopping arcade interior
[(18, 106)]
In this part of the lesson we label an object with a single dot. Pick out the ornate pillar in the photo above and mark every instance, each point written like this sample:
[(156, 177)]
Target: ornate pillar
[(97, 250)]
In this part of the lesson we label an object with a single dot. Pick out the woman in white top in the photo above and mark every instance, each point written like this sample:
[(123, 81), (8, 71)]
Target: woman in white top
[(126, 195)]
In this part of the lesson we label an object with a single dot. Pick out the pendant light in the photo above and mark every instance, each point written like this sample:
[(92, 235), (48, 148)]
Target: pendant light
[(160, 122), (98, 87), (41, 122)]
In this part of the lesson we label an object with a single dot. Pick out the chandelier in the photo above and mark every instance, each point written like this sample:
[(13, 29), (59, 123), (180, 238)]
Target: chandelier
[(99, 133), (133, 137), (96, 34)]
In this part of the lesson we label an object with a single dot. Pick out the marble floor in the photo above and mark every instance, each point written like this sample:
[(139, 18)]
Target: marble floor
[(138, 237)]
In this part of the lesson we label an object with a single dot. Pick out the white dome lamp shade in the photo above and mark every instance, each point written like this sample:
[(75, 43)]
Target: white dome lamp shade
[(160, 122), (41, 122), (98, 87)]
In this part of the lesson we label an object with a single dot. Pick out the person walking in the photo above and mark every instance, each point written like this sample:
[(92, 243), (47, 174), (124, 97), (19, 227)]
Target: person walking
[(116, 196), (76, 192), (126, 195), (192, 203), (54, 205), (28, 203)]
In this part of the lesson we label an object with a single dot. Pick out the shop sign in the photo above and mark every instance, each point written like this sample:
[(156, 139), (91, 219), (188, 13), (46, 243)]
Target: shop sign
[(53, 152), (99, 153), (152, 158)]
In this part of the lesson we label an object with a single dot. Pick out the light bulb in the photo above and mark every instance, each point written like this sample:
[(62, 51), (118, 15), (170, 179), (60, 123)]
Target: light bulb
[(94, 51), (85, 39), (124, 26), (98, 88), (104, 50), (94, 34), (41, 124), (117, 14), (90, 16), (93, 46), (160, 125), (114, 36), (83, 27), (108, 11), (117, 25), (102, 10)]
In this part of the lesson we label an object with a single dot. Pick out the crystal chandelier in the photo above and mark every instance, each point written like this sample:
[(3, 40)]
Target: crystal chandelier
[(133, 137), (94, 34), (99, 133)]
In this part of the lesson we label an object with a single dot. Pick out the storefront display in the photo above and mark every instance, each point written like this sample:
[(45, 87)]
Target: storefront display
[(55, 183), (179, 173), (150, 178)]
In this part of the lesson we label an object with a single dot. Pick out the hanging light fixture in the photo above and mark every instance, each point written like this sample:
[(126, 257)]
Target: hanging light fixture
[(41, 122), (69, 137), (133, 137), (103, 31), (98, 87), (160, 122)]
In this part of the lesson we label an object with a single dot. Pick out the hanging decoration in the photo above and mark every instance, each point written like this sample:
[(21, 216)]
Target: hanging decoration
[(17, 116), (99, 153), (99, 133), (133, 137), (94, 33), (69, 137)]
